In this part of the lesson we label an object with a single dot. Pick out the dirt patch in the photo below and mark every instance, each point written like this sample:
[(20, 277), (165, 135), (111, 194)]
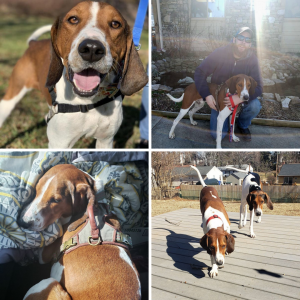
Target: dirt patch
[(271, 109), (163, 206)]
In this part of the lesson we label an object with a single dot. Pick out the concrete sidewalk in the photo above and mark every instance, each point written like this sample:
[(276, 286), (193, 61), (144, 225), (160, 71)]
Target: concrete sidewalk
[(189, 136)]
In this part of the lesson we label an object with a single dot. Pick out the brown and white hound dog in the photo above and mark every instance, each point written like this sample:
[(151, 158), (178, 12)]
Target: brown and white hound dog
[(241, 84), (90, 54), (217, 239), (253, 195), (88, 272)]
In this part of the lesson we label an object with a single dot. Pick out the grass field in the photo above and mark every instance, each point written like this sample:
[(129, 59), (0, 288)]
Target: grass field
[(26, 128), (159, 207)]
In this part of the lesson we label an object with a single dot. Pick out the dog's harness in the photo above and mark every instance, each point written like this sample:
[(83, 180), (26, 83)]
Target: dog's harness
[(69, 108), (96, 231), (111, 92), (213, 217)]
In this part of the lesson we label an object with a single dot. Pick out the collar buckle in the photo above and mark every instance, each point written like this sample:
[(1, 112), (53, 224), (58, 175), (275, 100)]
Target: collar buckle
[(124, 238), (83, 108)]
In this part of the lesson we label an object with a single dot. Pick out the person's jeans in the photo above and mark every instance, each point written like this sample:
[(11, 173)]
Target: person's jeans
[(249, 111)]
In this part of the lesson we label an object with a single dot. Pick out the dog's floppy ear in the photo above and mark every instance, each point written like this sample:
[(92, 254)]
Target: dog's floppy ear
[(249, 201), (231, 84), (253, 86), (204, 244), (56, 67), (269, 202), (230, 243), (134, 76), (84, 196)]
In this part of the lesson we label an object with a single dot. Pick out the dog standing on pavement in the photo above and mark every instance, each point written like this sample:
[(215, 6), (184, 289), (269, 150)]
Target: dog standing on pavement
[(241, 84), (217, 239)]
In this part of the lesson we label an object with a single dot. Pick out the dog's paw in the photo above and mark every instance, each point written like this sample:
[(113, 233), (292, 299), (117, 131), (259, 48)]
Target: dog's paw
[(235, 139), (241, 226), (194, 123), (213, 273), (252, 234), (172, 136)]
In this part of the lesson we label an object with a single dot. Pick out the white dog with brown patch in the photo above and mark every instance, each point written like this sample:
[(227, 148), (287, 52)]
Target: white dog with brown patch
[(84, 71), (217, 239)]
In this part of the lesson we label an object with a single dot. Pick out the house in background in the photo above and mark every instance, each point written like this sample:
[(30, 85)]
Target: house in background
[(236, 178), (289, 174), (227, 172), (203, 22), (185, 174)]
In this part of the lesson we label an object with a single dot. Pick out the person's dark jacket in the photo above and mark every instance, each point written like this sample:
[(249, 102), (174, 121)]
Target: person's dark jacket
[(223, 65)]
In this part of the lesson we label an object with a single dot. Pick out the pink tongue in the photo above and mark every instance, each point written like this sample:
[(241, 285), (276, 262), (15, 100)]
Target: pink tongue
[(87, 79)]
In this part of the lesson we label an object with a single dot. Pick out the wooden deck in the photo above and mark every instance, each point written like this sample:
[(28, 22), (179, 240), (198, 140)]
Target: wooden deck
[(267, 267)]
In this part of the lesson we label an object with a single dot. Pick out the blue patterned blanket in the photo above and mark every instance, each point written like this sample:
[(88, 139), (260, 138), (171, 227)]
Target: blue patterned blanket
[(120, 185)]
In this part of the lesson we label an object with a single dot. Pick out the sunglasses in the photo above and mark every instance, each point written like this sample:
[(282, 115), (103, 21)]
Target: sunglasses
[(242, 38)]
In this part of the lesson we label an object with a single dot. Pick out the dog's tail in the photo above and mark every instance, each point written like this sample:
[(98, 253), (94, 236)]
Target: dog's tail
[(200, 177), (38, 33), (174, 99)]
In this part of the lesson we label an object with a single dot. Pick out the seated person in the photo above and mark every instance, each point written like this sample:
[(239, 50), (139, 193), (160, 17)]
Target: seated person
[(225, 62)]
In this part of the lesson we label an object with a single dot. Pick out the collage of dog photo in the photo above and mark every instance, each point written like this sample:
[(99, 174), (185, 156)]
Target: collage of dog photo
[(225, 161), (144, 143)]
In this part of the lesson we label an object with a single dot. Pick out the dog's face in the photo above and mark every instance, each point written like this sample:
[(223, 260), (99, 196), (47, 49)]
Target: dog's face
[(217, 242), (256, 199), (62, 192), (242, 85), (90, 41)]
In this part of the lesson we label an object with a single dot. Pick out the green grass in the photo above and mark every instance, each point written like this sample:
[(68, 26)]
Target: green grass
[(25, 127)]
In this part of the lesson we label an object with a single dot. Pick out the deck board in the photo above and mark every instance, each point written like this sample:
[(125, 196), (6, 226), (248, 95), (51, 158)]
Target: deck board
[(267, 267)]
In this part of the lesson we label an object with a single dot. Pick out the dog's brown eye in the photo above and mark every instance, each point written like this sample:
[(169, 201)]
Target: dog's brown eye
[(73, 20), (115, 24), (53, 200)]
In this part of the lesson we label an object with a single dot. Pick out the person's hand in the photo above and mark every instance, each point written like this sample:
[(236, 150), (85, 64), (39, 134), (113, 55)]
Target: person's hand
[(236, 100), (211, 102)]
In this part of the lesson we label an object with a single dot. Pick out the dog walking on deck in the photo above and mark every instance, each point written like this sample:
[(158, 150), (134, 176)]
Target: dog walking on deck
[(217, 239)]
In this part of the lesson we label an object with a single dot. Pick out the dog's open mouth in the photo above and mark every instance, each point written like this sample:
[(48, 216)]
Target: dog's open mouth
[(86, 83)]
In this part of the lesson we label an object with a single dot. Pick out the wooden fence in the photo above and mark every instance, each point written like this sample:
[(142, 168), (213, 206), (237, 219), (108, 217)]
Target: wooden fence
[(277, 193)]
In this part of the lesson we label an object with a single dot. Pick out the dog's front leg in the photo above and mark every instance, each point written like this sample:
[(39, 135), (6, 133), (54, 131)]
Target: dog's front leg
[(223, 114), (242, 208), (234, 137), (252, 234), (214, 269), (106, 144)]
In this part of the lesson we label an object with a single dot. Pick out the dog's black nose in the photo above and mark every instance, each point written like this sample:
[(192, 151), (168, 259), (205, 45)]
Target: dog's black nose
[(246, 97), (258, 214), (91, 50), (23, 224)]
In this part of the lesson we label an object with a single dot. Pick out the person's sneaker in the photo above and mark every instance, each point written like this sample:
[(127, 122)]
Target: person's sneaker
[(245, 134)]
